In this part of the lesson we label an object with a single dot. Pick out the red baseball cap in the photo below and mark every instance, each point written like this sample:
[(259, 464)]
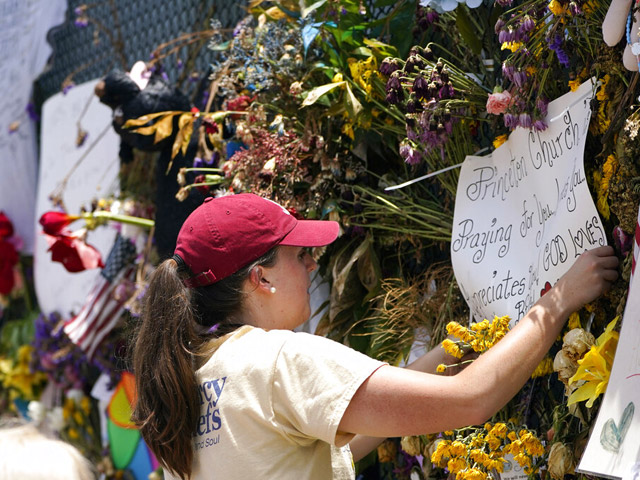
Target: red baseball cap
[(226, 233)]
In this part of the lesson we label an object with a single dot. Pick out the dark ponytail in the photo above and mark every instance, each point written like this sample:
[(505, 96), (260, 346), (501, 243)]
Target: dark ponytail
[(175, 327)]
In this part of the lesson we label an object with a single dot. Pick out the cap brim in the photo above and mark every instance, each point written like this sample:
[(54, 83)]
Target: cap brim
[(312, 233)]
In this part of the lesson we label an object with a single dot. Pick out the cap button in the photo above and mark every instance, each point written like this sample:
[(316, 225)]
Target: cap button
[(208, 199)]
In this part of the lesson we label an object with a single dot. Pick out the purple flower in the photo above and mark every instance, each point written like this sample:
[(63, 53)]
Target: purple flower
[(421, 87), (575, 9), (198, 162), (528, 24), (31, 111), (68, 86), (413, 61), (510, 120), (524, 120), (539, 125), (508, 71), (446, 91), (388, 66), (555, 44), (506, 35), (395, 93), (410, 154), (499, 26), (81, 21), (520, 78), (542, 104)]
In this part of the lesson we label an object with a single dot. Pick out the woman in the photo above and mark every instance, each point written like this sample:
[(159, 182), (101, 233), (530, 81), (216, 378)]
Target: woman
[(227, 390)]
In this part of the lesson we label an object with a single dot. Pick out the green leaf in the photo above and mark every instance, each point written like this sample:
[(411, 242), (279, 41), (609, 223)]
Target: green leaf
[(221, 46), (353, 105), (364, 51), (316, 93), (467, 32), (307, 10)]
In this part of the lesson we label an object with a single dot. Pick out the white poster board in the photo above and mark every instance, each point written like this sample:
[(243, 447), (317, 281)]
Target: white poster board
[(614, 445), (24, 51), (524, 213), (96, 176)]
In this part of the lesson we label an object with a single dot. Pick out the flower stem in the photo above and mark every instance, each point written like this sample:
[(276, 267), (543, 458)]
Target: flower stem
[(105, 215)]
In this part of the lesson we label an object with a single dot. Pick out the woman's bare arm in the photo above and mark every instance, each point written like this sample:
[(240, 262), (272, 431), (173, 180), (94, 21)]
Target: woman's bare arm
[(396, 402)]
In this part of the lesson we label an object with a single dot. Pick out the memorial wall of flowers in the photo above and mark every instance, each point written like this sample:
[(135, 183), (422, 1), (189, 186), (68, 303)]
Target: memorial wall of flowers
[(321, 106)]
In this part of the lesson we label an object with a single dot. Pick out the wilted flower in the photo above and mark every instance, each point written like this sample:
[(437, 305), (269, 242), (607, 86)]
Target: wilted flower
[(560, 461), (73, 252), (387, 451), (295, 89), (210, 126), (411, 445), (565, 366), (576, 342), (389, 65)]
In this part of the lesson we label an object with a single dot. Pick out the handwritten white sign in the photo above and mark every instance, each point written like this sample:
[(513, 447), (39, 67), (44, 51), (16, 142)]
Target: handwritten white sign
[(614, 446), (524, 213)]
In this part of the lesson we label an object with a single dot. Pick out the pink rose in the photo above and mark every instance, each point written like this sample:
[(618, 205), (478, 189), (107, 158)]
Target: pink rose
[(497, 103)]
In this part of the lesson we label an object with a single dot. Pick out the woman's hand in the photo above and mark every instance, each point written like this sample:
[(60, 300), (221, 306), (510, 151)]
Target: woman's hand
[(590, 276)]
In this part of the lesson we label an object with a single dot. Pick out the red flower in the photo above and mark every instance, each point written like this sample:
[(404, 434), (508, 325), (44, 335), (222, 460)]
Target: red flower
[(204, 189), (6, 227), (210, 126), (8, 259), (75, 254), (54, 222), (240, 103), (547, 287)]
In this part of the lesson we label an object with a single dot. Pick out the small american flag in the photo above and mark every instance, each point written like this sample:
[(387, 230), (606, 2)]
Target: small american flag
[(102, 308)]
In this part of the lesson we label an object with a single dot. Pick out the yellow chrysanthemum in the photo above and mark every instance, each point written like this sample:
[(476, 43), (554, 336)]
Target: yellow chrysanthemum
[(441, 452), (474, 474), (513, 46), (493, 441), (347, 129), (458, 448), (452, 348), (456, 464), (523, 460), (441, 368), (574, 84), (499, 140), (556, 8), (499, 430), (574, 321), (544, 368), (78, 418)]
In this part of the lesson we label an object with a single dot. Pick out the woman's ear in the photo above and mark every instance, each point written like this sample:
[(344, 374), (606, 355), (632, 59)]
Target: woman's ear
[(257, 279)]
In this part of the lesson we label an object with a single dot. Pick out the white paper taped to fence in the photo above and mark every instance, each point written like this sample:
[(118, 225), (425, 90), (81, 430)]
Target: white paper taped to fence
[(614, 445), (524, 214)]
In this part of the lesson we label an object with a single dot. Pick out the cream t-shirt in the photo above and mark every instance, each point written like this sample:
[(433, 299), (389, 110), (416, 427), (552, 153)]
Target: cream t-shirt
[(270, 405)]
